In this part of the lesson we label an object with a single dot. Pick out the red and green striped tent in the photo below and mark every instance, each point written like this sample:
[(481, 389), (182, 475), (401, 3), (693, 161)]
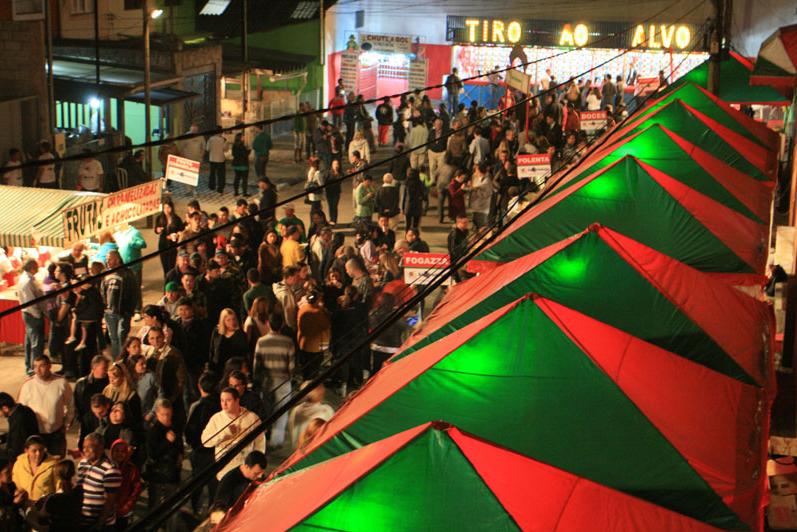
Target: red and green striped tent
[(735, 73), (652, 207), (700, 99), (627, 285), (677, 157), (776, 64), (438, 477), (703, 131), (553, 384)]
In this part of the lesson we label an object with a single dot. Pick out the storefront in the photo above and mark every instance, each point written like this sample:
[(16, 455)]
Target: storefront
[(49, 222), (372, 63)]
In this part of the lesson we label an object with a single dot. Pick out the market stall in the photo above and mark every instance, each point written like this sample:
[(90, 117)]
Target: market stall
[(48, 221)]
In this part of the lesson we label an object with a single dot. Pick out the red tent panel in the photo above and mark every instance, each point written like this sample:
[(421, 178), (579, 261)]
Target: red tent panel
[(647, 374), (543, 498)]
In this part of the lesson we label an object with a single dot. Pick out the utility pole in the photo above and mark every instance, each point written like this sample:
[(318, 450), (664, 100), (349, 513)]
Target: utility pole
[(48, 41), (244, 57), (147, 84), (720, 36), (97, 42)]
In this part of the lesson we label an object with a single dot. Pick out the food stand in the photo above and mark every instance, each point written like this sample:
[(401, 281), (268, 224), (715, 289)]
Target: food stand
[(46, 222)]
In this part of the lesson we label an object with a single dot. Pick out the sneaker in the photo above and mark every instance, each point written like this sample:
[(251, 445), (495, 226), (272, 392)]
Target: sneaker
[(80, 347), (71, 340)]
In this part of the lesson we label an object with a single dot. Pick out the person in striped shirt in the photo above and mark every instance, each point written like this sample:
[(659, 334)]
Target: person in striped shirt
[(100, 481)]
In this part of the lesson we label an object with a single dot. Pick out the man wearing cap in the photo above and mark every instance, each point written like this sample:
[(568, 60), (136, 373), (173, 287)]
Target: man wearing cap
[(181, 266), (291, 219), (233, 276), (171, 295), (291, 250)]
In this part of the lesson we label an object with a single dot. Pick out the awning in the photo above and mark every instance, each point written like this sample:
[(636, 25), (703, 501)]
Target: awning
[(162, 96), (74, 80), (262, 58), (37, 219)]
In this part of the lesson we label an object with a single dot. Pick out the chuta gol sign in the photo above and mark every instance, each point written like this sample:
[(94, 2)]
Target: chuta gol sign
[(90, 217)]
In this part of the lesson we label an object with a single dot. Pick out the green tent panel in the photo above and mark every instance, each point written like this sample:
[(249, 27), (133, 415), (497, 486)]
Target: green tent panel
[(541, 395), (699, 129), (662, 149), (645, 204), (735, 73), (700, 99)]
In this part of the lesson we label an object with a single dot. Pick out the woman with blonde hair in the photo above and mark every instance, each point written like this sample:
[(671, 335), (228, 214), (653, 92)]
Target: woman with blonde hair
[(360, 144), (388, 267), (120, 389), (227, 341)]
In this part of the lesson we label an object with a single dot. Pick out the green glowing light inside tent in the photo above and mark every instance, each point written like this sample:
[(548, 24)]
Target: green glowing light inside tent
[(428, 485)]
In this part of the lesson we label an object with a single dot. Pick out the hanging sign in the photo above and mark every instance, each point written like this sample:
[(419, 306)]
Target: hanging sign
[(518, 81), (348, 69), (391, 44), (418, 73), (182, 170), (593, 121), (86, 219), (422, 268), (536, 167)]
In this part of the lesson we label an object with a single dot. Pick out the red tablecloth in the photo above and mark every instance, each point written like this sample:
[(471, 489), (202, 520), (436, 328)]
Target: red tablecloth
[(12, 330)]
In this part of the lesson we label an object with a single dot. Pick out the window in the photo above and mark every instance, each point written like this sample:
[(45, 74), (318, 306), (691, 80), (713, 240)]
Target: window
[(82, 6), (133, 4), (359, 19), (305, 10)]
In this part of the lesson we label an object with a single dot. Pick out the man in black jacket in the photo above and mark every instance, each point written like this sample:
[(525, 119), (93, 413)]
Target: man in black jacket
[(384, 119), (198, 416), (196, 333), (267, 200), (21, 424), (234, 483), (86, 387)]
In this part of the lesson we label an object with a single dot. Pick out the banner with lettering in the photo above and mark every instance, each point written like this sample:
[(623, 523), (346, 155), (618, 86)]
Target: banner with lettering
[(86, 219)]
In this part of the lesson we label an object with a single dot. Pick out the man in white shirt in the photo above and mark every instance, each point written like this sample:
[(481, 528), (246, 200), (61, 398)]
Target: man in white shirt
[(50, 398), (227, 427), (90, 173), (218, 162), (33, 316), (12, 174), (46, 176)]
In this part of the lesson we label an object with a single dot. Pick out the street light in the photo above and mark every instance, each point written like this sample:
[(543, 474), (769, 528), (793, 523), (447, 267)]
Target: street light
[(148, 15)]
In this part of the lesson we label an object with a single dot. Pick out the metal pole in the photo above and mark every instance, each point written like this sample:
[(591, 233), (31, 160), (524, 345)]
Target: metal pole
[(48, 40), (97, 42), (716, 49), (321, 43), (147, 83), (244, 57)]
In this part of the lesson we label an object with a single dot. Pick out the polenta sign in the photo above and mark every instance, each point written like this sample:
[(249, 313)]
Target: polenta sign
[(86, 219)]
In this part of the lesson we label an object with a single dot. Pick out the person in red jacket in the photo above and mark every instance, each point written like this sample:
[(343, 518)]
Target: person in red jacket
[(128, 492), (456, 194)]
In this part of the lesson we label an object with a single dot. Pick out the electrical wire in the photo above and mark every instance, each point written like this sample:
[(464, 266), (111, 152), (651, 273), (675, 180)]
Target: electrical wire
[(156, 516), (266, 122)]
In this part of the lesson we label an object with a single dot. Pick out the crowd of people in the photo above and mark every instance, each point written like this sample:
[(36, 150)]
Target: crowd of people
[(255, 304)]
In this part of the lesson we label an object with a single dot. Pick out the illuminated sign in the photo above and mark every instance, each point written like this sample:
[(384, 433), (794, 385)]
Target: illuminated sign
[(493, 31), (666, 36), (574, 36)]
